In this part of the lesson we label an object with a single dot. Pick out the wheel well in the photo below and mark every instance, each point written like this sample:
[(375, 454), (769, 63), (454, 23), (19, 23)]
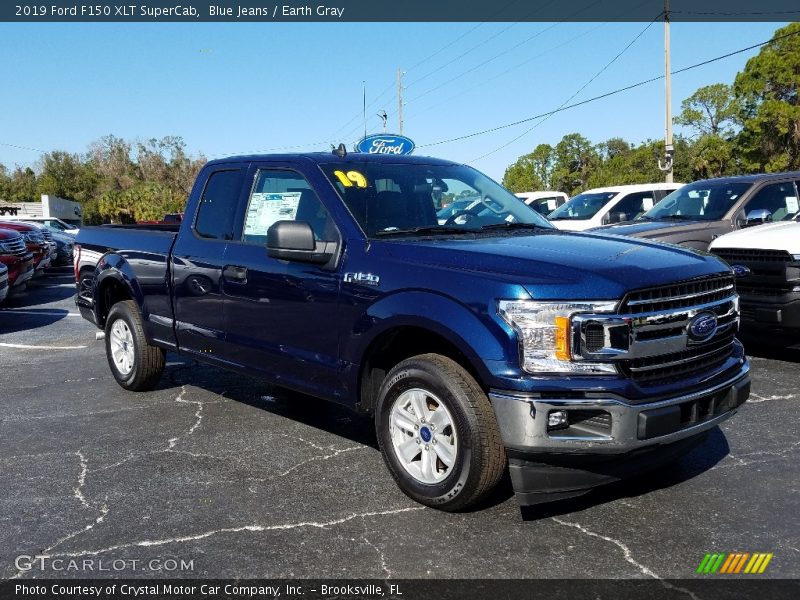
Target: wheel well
[(396, 345), (109, 293)]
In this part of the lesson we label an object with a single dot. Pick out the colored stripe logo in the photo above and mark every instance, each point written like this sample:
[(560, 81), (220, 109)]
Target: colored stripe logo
[(734, 563)]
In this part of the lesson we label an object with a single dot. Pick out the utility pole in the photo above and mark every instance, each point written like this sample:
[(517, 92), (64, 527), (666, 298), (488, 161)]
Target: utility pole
[(400, 100), (669, 150)]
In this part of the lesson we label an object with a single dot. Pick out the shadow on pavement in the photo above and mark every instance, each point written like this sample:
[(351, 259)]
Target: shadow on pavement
[(12, 321), (699, 460)]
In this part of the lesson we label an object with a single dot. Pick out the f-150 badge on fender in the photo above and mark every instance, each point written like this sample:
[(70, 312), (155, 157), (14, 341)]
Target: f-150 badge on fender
[(362, 278)]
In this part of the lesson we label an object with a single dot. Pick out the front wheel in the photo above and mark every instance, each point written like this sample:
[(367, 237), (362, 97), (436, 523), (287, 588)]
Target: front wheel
[(136, 365), (438, 434)]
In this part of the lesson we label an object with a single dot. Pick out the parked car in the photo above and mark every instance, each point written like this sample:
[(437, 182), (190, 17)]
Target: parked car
[(543, 202), (767, 261), (615, 204), (706, 209), (16, 257), (55, 225), (34, 241), (3, 282), (474, 345)]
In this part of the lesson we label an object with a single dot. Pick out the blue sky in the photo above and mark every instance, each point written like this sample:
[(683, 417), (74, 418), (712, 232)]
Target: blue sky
[(239, 88)]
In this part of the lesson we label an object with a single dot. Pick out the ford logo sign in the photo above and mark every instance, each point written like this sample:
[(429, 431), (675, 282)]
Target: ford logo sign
[(740, 270), (702, 326), (386, 144)]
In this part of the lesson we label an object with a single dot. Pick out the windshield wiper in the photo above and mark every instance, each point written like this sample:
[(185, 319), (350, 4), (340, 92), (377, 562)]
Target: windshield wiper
[(427, 229), (678, 218), (507, 225)]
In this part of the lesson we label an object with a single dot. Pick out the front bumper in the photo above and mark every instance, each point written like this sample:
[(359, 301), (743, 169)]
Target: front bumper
[(606, 438), (760, 315)]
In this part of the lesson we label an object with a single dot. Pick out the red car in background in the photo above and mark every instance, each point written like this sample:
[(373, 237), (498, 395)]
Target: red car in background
[(15, 256), (34, 241)]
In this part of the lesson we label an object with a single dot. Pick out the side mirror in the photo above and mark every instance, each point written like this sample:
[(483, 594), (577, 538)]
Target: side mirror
[(294, 240), (758, 216)]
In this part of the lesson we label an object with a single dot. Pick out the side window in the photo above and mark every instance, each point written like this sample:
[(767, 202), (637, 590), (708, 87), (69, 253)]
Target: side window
[(284, 195), (779, 199), (217, 208), (631, 206)]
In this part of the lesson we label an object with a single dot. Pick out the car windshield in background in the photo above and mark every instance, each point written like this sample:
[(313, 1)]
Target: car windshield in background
[(406, 198), (701, 201), (581, 207)]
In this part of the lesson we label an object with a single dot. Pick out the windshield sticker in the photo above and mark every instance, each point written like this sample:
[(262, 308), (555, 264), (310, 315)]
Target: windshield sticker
[(551, 204), (791, 204), (350, 178), (647, 203), (267, 208)]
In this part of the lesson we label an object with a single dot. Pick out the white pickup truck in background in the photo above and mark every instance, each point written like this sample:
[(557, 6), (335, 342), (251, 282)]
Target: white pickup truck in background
[(766, 261)]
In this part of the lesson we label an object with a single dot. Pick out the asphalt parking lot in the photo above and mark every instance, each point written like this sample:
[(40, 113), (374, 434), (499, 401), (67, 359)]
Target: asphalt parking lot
[(245, 481)]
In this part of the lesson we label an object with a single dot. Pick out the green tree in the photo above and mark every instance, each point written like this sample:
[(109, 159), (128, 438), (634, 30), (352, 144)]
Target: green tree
[(767, 89), (531, 171), (575, 160), (711, 110), (67, 176)]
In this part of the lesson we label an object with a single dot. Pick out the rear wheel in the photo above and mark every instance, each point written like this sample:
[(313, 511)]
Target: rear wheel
[(438, 434), (136, 365)]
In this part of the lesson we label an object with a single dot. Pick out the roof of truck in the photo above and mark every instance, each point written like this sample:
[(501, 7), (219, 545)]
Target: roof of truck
[(327, 157), (753, 177)]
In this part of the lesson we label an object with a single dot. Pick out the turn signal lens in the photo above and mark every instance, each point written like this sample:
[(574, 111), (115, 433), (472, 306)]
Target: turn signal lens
[(562, 338)]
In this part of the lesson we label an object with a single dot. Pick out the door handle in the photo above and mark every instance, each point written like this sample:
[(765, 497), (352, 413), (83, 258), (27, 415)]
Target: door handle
[(235, 274)]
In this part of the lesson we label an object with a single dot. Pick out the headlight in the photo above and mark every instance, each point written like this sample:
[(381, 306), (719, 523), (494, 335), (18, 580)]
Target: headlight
[(545, 334)]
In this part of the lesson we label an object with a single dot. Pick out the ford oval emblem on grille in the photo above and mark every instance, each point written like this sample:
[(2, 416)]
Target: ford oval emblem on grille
[(702, 326), (740, 270)]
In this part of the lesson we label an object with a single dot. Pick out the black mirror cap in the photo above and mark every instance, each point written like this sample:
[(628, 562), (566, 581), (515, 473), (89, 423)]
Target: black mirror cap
[(294, 240)]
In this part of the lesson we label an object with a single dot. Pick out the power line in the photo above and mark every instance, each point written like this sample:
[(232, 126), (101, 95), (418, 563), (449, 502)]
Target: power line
[(607, 94), (23, 148), (583, 87)]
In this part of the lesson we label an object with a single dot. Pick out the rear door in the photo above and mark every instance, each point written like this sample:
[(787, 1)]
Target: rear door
[(198, 259), (281, 317)]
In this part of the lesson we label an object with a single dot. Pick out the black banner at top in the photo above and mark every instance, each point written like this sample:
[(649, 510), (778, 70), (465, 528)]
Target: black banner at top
[(396, 10)]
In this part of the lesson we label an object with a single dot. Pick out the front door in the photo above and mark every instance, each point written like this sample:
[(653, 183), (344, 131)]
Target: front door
[(281, 316)]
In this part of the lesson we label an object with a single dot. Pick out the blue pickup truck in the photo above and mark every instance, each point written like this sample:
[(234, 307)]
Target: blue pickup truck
[(486, 342)]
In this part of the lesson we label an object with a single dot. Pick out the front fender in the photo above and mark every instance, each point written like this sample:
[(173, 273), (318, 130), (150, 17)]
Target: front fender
[(486, 341)]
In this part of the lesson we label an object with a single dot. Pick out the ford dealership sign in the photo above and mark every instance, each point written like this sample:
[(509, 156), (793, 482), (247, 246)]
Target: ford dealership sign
[(385, 144)]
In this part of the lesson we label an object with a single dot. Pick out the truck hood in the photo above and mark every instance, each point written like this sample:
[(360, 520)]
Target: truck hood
[(774, 236), (655, 229), (553, 264)]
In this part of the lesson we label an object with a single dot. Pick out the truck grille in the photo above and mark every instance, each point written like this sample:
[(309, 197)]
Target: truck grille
[(772, 272), (668, 367), (17, 246), (680, 295), (653, 338)]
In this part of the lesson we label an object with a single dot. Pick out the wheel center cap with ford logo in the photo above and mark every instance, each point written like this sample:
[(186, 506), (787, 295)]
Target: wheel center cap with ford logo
[(385, 144), (425, 434), (702, 326)]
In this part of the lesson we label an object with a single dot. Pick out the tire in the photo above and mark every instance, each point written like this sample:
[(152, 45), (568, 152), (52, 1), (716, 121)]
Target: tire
[(137, 366), (467, 435)]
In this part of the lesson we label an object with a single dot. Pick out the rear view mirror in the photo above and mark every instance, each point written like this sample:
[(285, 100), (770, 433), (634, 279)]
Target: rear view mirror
[(758, 216), (294, 240)]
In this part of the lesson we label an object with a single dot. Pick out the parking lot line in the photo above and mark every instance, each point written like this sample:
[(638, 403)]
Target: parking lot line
[(57, 313), (29, 347)]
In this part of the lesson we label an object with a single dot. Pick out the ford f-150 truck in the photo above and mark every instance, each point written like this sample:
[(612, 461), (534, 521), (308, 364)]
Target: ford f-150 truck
[(492, 339), (697, 213), (767, 261)]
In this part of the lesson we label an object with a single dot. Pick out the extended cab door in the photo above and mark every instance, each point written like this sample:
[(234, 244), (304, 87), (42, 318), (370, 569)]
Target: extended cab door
[(281, 317), (198, 259)]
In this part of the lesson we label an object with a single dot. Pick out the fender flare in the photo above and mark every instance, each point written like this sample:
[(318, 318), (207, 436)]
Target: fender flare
[(114, 268), (478, 339)]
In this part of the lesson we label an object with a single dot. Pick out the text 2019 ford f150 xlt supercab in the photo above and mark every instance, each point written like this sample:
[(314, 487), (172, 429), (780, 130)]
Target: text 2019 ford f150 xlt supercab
[(490, 340)]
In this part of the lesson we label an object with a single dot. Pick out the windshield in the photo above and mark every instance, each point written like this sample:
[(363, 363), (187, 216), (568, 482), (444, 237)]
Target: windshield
[(409, 198), (582, 207), (699, 201)]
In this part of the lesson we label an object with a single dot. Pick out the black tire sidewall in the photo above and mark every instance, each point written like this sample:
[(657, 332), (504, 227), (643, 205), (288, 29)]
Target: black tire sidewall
[(122, 312), (424, 375)]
